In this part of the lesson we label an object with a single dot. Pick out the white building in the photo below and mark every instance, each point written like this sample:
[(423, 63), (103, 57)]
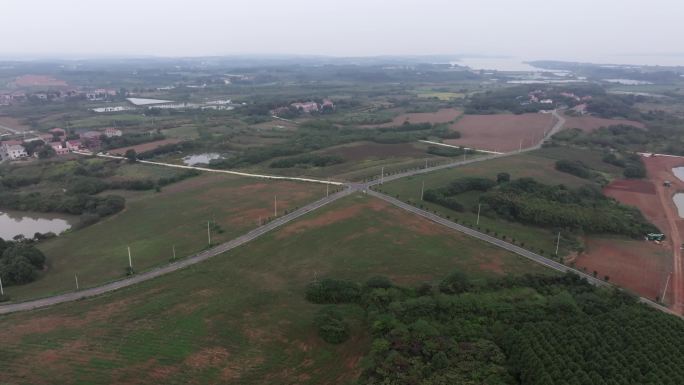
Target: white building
[(12, 151)]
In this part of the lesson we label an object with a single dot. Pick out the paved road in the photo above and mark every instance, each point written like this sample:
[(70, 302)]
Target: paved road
[(505, 245), (197, 258)]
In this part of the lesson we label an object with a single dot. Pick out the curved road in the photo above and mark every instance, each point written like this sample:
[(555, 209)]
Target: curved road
[(351, 187)]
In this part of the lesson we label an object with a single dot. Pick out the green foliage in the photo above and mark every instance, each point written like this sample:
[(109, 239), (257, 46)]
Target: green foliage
[(503, 177), (448, 151), (333, 291), (19, 263), (379, 282), (307, 160), (331, 325), (586, 208), (455, 283), (574, 167), (528, 330)]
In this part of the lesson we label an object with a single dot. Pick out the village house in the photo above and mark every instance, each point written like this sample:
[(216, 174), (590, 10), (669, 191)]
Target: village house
[(59, 148), (92, 139), (60, 132), (307, 107), (73, 145), (327, 105), (111, 132), (12, 150)]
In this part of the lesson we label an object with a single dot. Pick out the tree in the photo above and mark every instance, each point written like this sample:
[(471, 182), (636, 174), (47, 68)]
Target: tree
[(46, 152), (503, 177), (16, 270), (131, 155), (454, 283)]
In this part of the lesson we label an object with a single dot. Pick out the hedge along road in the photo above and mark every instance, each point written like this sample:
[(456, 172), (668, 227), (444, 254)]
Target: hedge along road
[(204, 255)]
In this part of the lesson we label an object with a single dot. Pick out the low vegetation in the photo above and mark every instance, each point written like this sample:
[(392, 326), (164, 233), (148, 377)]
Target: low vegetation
[(532, 330)]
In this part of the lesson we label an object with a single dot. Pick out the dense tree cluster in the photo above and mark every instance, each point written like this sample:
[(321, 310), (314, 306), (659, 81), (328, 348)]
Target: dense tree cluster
[(445, 196), (19, 262), (529, 330)]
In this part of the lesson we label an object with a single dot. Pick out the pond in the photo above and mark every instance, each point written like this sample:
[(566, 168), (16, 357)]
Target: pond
[(27, 224), (205, 158), (679, 173), (679, 202)]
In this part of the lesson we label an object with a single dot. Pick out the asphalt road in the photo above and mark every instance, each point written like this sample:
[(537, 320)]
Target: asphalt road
[(350, 188), (197, 258)]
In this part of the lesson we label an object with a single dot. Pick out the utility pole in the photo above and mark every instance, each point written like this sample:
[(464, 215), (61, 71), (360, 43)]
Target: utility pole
[(464, 154), (275, 206), (327, 189), (520, 149), (76, 278), (208, 234), (2, 291), (479, 206), (426, 163), (174, 251), (130, 261), (382, 175), (662, 297), (422, 190), (557, 243)]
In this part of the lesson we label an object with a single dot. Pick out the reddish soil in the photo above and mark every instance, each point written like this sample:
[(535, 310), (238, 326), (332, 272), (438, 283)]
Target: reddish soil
[(140, 148), (654, 200), (444, 115), (364, 150), (591, 123), (501, 132), (14, 123), (640, 266), (39, 80)]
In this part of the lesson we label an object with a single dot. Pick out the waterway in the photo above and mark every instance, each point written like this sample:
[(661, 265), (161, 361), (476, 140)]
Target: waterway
[(679, 202)]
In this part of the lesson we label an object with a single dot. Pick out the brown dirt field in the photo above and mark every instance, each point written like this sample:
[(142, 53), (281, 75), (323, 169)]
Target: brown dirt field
[(640, 194), (360, 151), (39, 80), (140, 148), (11, 122), (330, 217), (444, 115), (591, 123), (501, 132), (637, 265)]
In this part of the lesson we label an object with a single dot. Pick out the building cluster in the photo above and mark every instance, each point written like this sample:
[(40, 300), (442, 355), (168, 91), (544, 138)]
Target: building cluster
[(57, 139), (16, 97), (305, 107)]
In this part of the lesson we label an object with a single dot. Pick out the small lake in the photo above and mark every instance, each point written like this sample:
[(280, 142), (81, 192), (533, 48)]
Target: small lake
[(27, 224), (196, 159), (679, 173), (679, 202)]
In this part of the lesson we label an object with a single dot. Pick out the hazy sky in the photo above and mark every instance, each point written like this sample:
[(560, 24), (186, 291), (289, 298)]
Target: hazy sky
[(553, 29)]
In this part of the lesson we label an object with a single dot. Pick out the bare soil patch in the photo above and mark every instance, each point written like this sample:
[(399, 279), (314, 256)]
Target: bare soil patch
[(140, 148), (14, 123), (640, 266), (501, 132), (591, 123)]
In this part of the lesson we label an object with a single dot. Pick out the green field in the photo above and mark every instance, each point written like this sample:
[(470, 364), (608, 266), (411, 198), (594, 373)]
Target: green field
[(153, 223), (538, 165), (242, 316)]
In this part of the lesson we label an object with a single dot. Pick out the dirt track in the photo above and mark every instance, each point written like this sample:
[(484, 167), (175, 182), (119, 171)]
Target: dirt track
[(659, 170)]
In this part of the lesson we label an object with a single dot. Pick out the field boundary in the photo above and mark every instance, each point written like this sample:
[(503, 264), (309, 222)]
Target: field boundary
[(239, 173)]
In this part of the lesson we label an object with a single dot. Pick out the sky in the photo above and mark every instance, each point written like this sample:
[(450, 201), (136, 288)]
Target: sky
[(582, 30)]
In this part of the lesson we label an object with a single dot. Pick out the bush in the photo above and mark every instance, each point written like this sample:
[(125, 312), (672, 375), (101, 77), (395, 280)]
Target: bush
[(379, 282), (331, 325), (333, 291), (454, 283)]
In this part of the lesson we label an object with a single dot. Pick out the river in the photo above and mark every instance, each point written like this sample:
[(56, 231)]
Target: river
[(678, 199)]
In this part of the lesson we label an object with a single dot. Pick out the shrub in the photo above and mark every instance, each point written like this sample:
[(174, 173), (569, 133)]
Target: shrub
[(454, 283), (379, 282), (333, 291), (331, 325)]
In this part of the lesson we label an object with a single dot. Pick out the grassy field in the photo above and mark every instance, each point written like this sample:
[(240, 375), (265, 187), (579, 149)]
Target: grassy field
[(538, 164), (155, 222), (241, 317)]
